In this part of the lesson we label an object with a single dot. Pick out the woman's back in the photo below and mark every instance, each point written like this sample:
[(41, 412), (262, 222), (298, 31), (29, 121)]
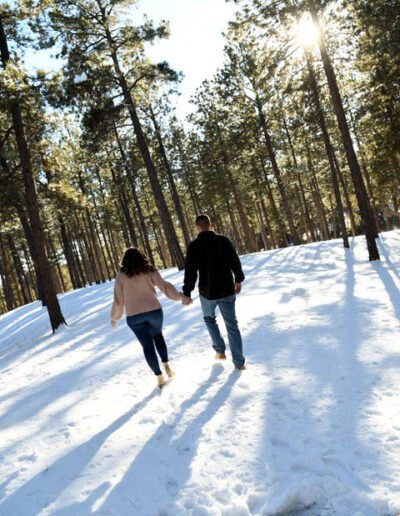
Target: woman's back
[(138, 294)]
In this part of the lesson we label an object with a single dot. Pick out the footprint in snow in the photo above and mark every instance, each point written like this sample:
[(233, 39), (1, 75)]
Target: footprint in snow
[(27, 458), (183, 449), (279, 443), (171, 486)]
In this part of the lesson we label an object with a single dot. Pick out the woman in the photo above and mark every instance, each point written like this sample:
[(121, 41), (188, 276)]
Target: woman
[(134, 289)]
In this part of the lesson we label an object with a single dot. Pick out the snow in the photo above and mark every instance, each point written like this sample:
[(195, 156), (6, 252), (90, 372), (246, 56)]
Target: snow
[(312, 426)]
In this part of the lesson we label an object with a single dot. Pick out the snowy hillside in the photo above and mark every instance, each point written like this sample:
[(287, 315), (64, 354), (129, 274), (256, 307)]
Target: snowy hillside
[(312, 427)]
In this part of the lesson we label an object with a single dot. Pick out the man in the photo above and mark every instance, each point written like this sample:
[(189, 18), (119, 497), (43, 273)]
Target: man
[(220, 277)]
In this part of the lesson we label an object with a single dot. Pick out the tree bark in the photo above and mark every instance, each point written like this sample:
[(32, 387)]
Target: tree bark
[(53, 307)]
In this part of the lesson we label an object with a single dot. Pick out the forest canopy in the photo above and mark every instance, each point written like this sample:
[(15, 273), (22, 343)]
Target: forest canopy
[(295, 139)]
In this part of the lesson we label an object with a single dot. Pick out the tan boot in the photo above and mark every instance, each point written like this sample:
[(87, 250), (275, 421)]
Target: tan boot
[(160, 380), (241, 368), (220, 356), (168, 370)]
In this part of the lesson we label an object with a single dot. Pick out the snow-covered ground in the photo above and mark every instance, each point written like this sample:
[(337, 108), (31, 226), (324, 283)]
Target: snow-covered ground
[(312, 427)]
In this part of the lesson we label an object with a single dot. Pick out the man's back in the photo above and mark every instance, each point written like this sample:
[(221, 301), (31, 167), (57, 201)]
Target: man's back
[(215, 259)]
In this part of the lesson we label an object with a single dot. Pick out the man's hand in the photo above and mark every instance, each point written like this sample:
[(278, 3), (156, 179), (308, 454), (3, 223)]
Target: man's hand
[(114, 324), (238, 288), (187, 300)]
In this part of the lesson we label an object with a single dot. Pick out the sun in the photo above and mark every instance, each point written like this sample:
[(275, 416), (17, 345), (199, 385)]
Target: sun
[(307, 32)]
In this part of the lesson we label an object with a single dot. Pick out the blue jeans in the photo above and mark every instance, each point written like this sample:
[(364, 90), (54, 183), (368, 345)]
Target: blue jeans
[(148, 329), (227, 309)]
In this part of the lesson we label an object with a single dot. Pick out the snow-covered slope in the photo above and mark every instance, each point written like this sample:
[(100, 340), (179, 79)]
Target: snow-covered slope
[(312, 427)]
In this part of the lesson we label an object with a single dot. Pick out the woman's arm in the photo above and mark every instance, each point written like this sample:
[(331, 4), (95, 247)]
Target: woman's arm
[(118, 305), (166, 287)]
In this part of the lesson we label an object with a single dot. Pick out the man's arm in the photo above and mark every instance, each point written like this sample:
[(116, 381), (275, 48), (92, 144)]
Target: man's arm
[(234, 262), (190, 278)]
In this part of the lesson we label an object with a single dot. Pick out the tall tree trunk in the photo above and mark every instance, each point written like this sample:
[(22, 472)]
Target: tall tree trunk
[(168, 170), (328, 148), (87, 252), (264, 236), (236, 236), (345, 189), (19, 206), (69, 256), (301, 200), (53, 306), (248, 236), (277, 173), (317, 194), (31, 283), (79, 261), (57, 266), (274, 208), (271, 232), (92, 248), (166, 221), (359, 186), (6, 277), (19, 270), (189, 181), (366, 173), (131, 179), (113, 244)]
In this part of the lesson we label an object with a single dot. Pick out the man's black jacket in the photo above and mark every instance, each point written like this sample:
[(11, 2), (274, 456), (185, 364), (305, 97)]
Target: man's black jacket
[(215, 258)]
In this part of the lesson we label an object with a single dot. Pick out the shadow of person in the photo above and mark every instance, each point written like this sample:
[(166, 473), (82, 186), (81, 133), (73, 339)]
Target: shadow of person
[(163, 466)]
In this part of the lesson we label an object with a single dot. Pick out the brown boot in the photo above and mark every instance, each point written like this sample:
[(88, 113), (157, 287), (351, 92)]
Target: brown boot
[(160, 380), (168, 370), (241, 368), (220, 356)]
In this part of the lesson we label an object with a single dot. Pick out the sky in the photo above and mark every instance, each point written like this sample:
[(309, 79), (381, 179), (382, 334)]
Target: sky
[(195, 46)]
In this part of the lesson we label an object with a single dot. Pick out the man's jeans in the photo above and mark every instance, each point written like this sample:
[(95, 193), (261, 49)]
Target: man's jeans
[(227, 308)]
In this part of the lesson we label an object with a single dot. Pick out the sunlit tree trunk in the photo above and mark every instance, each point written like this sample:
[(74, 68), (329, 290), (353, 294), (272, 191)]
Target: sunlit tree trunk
[(361, 193)]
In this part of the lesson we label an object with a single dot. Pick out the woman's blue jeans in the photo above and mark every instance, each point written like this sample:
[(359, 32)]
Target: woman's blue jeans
[(227, 309), (148, 329)]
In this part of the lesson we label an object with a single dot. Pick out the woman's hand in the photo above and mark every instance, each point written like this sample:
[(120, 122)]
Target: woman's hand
[(114, 324)]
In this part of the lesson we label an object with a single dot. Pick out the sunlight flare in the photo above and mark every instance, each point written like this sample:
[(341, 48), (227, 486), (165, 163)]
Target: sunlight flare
[(307, 32)]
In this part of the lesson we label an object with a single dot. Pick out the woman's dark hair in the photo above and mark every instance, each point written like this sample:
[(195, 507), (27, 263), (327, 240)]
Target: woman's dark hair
[(135, 262)]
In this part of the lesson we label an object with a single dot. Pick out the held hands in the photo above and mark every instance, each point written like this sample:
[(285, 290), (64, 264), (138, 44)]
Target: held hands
[(186, 300), (238, 288), (114, 324)]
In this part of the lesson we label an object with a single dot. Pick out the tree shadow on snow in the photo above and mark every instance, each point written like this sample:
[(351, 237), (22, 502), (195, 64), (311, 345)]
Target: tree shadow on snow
[(49, 484), (303, 440)]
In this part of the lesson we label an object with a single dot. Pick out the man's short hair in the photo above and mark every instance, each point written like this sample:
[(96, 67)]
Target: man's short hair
[(203, 221)]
